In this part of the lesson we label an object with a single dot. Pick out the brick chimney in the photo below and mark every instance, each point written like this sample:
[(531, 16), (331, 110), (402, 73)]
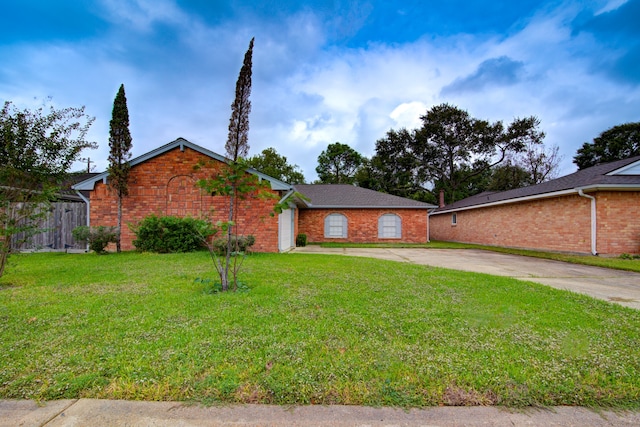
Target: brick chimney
[(441, 204)]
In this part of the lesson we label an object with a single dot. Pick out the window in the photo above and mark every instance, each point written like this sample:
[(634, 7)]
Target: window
[(335, 226), (454, 219), (389, 226)]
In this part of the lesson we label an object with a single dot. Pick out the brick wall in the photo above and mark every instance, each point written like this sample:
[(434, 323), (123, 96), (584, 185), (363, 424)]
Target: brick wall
[(555, 224), (618, 218), (363, 225), (165, 185)]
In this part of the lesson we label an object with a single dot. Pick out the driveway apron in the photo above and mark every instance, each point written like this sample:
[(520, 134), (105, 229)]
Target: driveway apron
[(620, 287)]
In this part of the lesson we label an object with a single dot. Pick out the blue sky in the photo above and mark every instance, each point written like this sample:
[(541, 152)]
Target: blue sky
[(325, 71)]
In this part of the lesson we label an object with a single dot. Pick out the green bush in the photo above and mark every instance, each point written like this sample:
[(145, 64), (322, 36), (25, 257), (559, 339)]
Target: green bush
[(239, 244), (97, 237), (301, 240), (170, 234)]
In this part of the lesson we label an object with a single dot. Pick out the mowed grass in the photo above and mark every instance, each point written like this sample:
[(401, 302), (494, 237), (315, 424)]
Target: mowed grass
[(312, 329)]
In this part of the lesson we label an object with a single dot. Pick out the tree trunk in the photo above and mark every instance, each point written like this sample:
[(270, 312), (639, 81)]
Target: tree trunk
[(119, 224), (5, 247), (225, 279)]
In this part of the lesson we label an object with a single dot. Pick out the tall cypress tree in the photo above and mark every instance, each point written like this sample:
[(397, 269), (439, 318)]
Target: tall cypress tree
[(119, 153), (237, 145)]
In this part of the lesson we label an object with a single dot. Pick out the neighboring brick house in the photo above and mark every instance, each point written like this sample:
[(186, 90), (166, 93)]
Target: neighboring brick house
[(162, 182), (346, 213), (595, 210)]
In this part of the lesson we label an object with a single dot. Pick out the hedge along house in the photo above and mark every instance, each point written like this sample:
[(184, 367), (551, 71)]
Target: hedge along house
[(595, 210), (346, 213), (163, 182)]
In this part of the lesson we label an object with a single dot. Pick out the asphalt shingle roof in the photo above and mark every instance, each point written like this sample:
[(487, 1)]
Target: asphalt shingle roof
[(592, 177), (350, 196)]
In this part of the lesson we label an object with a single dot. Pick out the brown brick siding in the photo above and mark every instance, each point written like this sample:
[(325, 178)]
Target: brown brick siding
[(363, 225), (166, 185), (618, 218), (555, 224)]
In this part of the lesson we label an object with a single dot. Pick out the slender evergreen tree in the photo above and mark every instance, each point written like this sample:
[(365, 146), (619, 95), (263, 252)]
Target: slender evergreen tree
[(119, 154), (237, 145)]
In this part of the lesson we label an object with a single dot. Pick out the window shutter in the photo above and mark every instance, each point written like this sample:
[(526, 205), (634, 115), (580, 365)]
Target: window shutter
[(327, 226), (344, 226)]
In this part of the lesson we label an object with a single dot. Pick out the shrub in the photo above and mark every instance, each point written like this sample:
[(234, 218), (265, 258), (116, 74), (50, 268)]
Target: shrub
[(239, 244), (97, 237), (301, 239), (170, 234)]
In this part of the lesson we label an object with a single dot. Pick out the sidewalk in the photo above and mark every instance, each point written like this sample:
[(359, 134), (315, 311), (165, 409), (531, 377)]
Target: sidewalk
[(88, 412)]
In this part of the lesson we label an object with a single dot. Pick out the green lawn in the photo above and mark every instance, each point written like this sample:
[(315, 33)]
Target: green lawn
[(629, 263), (310, 329)]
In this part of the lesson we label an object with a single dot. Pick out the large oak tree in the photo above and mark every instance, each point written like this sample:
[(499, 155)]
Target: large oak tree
[(617, 143)]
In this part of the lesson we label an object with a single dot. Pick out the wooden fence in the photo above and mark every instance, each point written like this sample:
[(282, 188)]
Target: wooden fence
[(62, 219)]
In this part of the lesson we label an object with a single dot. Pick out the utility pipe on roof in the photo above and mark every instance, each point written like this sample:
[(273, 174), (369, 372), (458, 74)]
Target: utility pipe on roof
[(593, 221)]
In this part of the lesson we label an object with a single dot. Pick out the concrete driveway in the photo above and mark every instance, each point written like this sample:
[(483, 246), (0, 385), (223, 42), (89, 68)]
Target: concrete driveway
[(621, 287)]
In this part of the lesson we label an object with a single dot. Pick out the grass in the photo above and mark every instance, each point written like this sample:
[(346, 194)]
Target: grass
[(620, 263), (312, 329)]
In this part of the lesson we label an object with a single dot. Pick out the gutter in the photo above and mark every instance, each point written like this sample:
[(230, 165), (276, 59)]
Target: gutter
[(599, 187), (593, 221)]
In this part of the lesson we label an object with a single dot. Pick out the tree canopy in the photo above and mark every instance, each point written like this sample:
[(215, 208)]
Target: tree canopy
[(453, 147), (617, 143), (338, 164), (276, 166), (457, 153), (37, 148)]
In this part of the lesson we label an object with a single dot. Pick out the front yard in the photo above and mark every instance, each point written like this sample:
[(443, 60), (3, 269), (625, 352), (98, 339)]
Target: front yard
[(310, 329)]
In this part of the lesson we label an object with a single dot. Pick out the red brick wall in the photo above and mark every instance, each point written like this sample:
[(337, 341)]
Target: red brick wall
[(618, 218), (363, 225), (166, 185), (555, 224)]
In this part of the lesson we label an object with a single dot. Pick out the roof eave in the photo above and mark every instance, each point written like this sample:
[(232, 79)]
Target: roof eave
[(89, 184), (587, 188), (310, 206)]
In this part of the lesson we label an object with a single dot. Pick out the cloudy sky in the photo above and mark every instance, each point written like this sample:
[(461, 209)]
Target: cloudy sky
[(325, 71)]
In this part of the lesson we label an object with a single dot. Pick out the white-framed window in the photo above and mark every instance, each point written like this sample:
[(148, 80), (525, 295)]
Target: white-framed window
[(335, 226), (454, 219), (389, 226)]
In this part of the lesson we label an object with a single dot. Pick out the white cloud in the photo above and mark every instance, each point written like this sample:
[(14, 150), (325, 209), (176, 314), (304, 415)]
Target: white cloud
[(611, 5), (407, 115), (143, 14)]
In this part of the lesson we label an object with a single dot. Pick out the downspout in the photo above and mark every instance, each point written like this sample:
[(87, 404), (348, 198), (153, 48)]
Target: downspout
[(593, 221), (86, 201)]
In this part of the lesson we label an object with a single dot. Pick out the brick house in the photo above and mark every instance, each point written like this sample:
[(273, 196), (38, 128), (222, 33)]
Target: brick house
[(595, 210), (346, 213), (162, 182)]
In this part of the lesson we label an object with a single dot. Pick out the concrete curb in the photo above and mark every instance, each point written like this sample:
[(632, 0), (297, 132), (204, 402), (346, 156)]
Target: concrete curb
[(94, 412)]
